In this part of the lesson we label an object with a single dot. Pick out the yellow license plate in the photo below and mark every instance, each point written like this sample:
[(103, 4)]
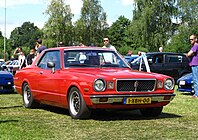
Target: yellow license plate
[(137, 100)]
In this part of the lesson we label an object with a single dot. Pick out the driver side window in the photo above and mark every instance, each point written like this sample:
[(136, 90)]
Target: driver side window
[(51, 56)]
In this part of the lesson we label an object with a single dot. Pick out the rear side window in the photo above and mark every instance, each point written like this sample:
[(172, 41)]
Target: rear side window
[(174, 58)]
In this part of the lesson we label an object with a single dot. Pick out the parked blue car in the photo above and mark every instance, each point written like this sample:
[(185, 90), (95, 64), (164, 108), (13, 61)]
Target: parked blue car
[(129, 59), (6, 82), (185, 83)]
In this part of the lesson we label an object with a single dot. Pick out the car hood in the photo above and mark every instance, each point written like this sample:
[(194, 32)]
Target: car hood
[(116, 73), (6, 74), (185, 77)]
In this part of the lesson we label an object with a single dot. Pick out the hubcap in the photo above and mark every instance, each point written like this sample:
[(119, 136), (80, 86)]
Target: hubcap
[(74, 103), (27, 95)]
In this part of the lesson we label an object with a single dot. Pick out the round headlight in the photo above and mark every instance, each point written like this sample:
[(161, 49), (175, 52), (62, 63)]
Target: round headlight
[(99, 85), (169, 84)]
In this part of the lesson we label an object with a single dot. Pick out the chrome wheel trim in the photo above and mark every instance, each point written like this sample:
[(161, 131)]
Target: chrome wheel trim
[(74, 103), (26, 94)]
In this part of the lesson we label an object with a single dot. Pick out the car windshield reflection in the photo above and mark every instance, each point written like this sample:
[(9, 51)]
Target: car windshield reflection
[(93, 58)]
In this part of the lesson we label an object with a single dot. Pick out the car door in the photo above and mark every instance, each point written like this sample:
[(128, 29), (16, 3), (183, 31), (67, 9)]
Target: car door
[(48, 80), (157, 64), (173, 64)]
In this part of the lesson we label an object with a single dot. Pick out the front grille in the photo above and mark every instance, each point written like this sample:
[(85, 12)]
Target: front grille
[(8, 87), (185, 86), (134, 85)]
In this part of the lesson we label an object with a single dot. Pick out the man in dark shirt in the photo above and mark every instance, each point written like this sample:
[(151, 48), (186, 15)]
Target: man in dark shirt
[(39, 46), (30, 57)]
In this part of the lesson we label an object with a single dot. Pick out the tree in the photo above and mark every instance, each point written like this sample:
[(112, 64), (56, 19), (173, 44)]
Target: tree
[(117, 30), (179, 42), (1, 34), (152, 25), (1, 46), (187, 20), (92, 25), (187, 11), (25, 36), (59, 25)]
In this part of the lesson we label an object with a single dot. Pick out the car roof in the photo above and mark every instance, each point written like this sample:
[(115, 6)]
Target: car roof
[(170, 53), (78, 48)]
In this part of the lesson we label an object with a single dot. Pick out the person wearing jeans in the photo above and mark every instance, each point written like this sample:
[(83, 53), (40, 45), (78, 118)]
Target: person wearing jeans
[(193, 55)]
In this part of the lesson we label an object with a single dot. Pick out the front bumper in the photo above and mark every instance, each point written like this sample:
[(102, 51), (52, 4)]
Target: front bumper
[(6, 90), (110, 99)]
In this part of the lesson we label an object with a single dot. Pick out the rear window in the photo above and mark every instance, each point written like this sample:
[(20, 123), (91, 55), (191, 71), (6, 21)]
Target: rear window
[(174, 58)]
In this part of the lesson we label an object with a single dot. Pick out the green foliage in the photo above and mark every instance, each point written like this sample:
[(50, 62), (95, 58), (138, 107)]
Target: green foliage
[(155, 23), (179, 42), (124, 50), (151, 26), (187, 11), (1, 36), (26, 35), (50, 43), (59, 25), (116, 32), (92, 25), (7, 48)]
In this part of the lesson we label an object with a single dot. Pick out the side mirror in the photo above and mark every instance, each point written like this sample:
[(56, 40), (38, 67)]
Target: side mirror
[(51, 65)]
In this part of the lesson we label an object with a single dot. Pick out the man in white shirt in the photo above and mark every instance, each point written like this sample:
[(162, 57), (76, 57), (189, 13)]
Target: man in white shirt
[(107, 44), (109, 57)]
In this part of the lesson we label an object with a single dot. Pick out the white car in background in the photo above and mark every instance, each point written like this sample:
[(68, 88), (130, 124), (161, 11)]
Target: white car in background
[(13, 66)]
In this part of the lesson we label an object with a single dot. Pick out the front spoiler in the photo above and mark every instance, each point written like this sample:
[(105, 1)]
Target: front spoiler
[(119, 98)]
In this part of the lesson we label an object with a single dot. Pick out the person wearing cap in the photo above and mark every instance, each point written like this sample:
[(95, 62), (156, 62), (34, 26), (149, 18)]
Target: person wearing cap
[(39, 46)]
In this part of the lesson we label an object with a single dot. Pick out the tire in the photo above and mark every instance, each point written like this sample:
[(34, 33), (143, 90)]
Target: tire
[(151, 112), (77, 106), (28, 99)]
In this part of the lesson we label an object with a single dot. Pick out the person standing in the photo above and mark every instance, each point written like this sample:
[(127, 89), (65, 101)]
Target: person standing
[(160, 49), (39, 47), (107, 44), (129, 53), (22, 60), (61, 44), (17, 52), (193, 55), (109, 57), (30, 57)]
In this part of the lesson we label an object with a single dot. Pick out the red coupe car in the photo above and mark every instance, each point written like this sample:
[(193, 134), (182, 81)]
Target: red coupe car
[(85, 78)]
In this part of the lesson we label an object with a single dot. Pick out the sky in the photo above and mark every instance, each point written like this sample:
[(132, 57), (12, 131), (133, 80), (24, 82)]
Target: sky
[(20, 11)]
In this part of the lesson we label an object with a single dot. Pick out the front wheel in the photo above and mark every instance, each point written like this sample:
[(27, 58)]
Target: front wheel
[(28, 99), (151, 112), (77, 106)]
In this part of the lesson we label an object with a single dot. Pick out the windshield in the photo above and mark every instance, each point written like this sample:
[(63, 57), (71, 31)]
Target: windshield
[(93, 58)]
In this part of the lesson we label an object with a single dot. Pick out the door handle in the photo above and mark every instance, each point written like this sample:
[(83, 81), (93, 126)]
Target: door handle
[(41, 72)]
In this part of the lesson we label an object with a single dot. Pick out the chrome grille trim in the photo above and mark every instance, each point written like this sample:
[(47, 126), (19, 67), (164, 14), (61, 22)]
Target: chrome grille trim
[(135, 85)]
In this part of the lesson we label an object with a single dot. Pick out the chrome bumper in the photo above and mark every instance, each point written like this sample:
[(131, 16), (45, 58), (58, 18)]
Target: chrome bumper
[(119, 98)]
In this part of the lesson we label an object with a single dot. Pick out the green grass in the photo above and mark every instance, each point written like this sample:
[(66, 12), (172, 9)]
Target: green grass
[(179, 120)]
